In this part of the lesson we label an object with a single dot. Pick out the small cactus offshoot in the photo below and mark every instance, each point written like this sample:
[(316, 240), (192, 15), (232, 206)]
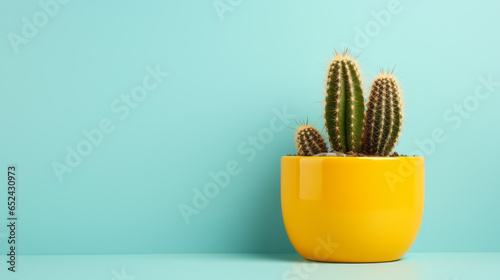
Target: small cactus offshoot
[(344, 104), (384, 116), (309, 141)]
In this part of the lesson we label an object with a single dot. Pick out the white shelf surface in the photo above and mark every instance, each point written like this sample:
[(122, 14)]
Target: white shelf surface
[(428, 266)]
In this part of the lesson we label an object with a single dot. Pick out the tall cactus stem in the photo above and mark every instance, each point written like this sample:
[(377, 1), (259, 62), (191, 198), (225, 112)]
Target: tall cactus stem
[(344, 109), (384, 116)]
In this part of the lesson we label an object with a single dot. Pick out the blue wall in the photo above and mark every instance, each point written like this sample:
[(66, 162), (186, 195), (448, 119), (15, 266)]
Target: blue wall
[(117, 113)]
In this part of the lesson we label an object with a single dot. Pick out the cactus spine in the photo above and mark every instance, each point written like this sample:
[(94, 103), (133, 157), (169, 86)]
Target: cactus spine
[(384, 116), (344, 104), (309, 141)]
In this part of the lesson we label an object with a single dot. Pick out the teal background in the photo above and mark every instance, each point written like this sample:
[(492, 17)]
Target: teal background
[(226, 79)]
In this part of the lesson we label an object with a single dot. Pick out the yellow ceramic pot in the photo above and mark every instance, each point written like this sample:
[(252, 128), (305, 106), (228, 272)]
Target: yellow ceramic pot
[(352, 209)]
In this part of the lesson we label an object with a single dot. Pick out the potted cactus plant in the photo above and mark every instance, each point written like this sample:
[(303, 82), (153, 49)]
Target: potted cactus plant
[(359, 201)]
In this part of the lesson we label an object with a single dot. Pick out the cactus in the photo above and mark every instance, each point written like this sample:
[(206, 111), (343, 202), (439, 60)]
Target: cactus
[(384, 116), (344, 104), (350, 130), (309, 141)]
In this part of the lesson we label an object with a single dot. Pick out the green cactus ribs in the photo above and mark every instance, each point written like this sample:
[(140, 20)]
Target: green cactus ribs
[(384, 116), (344, 104), (309, 141)]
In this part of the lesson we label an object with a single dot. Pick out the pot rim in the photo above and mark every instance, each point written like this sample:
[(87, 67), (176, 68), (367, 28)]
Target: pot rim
[(360, 158)]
